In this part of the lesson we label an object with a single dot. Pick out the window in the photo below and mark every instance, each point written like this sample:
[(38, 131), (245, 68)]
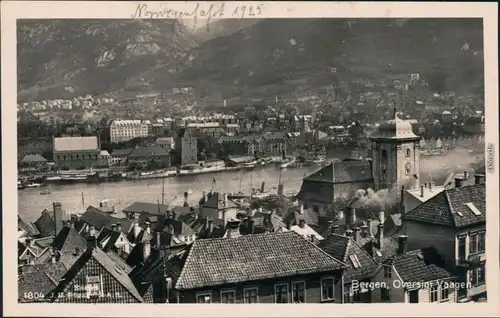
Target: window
[(444, 294), (387, 272), (93, 286), (461, 248), (478, 275), (228, 297), (281, 293), (204, 298), (327, 288), (299, 292), (384, 294), (355, 261), (433, 294), (251, 295), (481, 242), (473, 243), (408, 152)]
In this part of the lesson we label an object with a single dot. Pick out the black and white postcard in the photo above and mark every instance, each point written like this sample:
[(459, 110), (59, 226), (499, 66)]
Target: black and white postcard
[(259, 154)]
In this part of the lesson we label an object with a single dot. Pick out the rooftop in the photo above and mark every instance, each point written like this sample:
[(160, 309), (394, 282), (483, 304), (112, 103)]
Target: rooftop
[(213, 262), (76, 143), (148, 151), (457, 207)]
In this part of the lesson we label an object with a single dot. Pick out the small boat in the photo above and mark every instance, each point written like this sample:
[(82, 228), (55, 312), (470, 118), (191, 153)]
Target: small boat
[(46, 192), (287, 163), (32, 185), (53, 178), (249, 165)]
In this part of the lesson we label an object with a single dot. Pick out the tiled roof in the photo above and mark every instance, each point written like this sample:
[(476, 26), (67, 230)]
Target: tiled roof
[(178, 227), (33, 158), (76, 143), (422, 265), (148, 151), (191, 133), (54, 270), (272, 136), (65, 245), (99, 219), (120, 262), (43, 242), (150, 208), (45, 224), (28, 227), (344, 171), (216, 201), (33, 283), (389, 248), (121, 152), (213, 262), (449, 208), (107, 264), (342, 248)]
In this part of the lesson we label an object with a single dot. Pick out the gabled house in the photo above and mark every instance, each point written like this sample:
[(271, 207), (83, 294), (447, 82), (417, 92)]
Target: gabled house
[(138, 209), (218, 206), (94, 220), (417, 276), (454, 223), (51, 222), (113, 239), (278, 267), (66, 248), (361, 266), (26, 229), (25, 254), (95, 278)]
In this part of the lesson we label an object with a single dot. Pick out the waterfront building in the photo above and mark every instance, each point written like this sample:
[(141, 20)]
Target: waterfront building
[(189, 147), (454, 222), (167, 143), (119, 156), (124, 130), (72, 153), (153, 155)]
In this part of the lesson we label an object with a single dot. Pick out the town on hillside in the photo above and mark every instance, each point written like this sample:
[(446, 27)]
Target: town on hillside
[(369, 189)]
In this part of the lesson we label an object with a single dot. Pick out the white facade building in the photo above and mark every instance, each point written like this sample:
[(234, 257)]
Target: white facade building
[(124, 130)]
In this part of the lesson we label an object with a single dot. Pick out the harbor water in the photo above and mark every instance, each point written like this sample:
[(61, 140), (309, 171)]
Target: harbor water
[(124, 193)]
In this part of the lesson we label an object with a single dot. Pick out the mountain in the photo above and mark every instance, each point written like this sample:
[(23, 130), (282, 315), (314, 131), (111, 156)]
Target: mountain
[(59, 58), (447, 52), (233, 57)]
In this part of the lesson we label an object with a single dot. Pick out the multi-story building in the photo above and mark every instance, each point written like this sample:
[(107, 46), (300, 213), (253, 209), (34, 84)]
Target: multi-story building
[(277, 270), (153, 155), (124, 130), (454, 222), (274, 144), (76, 153), (189, 147)]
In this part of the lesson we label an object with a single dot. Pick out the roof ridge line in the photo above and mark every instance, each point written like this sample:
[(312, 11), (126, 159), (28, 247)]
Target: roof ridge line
[(451, 208), (316, 247)]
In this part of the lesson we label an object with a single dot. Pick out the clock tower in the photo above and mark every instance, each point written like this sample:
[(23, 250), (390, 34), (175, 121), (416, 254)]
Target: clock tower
[(396, 155)]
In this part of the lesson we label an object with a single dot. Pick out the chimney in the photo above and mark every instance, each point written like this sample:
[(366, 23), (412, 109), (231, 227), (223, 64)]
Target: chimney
[(137, 228), (466, 175), (301, 209), (118, 227), (186, 197), (402, 244), (348, 233), (158, 239), (425, 184), (251, 225), (53, 259), (381, 217), (357, 234), (92, 241), (233, 228), (458, 182), (260, 209), (210, 225), (77, 251), (380, 236), (422, 191), (225, 199), (340, 215), (302, 223), (336, 229), (146, 248), (148, 227), (479, 179), (113, 227), (364, 230), (431, 184), (57, 217), (353, 216), (205, 196)]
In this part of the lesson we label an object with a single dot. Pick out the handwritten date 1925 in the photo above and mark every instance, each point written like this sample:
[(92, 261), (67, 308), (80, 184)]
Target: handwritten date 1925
[(244, 11)]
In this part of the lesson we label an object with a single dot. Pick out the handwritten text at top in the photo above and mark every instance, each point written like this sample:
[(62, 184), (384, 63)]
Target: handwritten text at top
[(199, 10)]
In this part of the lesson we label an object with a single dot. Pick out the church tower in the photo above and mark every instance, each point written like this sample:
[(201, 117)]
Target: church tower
[(396, 155)]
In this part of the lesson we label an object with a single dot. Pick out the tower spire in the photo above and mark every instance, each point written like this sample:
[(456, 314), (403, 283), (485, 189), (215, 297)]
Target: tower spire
[(395, 112)]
